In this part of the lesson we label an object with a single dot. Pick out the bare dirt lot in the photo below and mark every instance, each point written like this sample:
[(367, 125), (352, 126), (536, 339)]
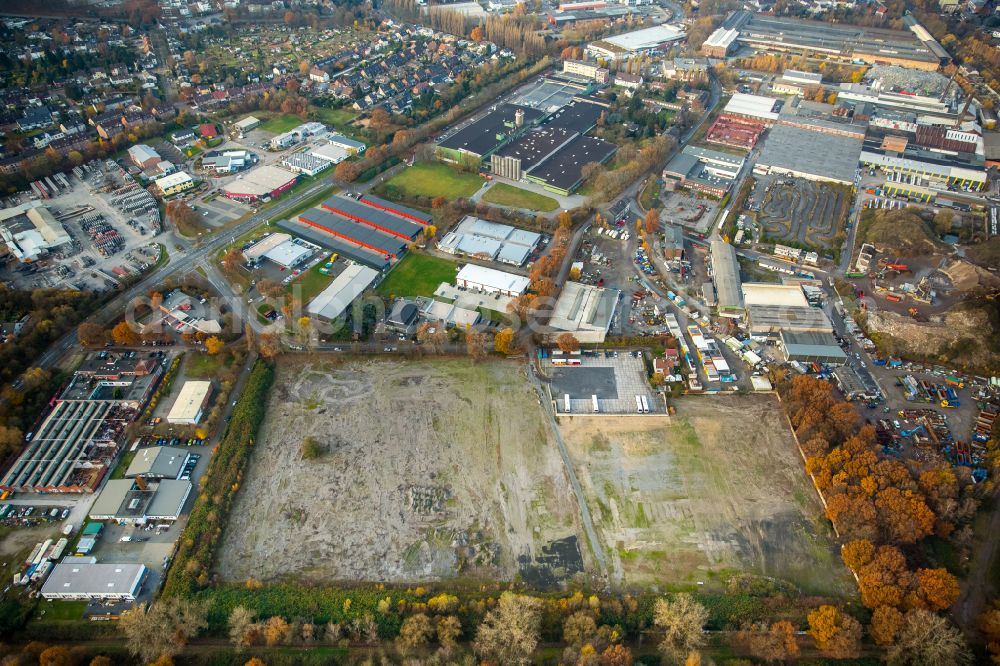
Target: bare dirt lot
[(715, 490), (804, 212), (432, 470)]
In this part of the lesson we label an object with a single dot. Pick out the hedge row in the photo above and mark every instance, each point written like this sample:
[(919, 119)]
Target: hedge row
[(195, 554)]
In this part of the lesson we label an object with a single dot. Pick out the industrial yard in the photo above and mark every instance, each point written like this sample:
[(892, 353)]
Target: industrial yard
[(717, 489), (428, 471)]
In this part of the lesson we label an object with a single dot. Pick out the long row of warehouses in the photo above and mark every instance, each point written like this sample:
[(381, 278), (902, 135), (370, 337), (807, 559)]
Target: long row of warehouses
[(369, 230)]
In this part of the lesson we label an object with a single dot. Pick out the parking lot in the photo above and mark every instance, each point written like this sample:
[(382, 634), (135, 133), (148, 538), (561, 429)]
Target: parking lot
[(217, 211), (615, 377), (112, 221)]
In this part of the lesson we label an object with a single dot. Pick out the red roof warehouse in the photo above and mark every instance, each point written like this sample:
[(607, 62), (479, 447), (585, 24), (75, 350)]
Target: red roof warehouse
[(376, 218)]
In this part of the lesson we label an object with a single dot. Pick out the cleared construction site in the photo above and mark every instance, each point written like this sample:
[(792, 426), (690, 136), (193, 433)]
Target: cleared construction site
[(427, 470), (716, 490)]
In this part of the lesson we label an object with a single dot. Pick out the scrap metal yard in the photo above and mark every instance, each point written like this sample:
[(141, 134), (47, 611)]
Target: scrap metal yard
[(431, 470), (715, 490)]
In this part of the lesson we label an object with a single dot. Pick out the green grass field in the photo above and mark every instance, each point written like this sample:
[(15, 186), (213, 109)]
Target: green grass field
[(503, 194), (307, 285), (204, 366), (336, 117), (434, 180), (417, 275), (281, 123)]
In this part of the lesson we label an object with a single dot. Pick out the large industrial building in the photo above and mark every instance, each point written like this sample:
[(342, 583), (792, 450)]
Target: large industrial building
[(349, 249), (484, 136), (846, 43), (345, 288), (30, 231), (554, 154), (280, 249), (726, 277), (772, 309), (585, 311), (158, 462), (412, 214), (754, 107), (811, 347), (354, 234), (264, 182), (647, 40), (139, 501), (535, 146), (375, 217), (704, 170), (85, 579), (189, 406), (811, 154), (369, 230), (73, 447), (490, 240), (491, 281), (903, 152), (562, 172)]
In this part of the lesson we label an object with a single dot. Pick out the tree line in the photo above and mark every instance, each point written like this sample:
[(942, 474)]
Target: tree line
[(884, 509), (52, 313)]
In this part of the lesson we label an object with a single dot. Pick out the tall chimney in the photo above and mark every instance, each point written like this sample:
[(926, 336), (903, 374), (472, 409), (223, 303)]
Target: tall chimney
[(519, 118)]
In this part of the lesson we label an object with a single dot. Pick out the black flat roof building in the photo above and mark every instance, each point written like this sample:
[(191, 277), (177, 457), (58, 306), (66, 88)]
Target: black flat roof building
[(578, 116), (563, 172), (484, 136), (536, 144)]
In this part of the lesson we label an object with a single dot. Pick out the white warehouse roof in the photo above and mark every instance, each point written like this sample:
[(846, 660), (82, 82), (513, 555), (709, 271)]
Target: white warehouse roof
[(288, 253), (648, 38), (347, 286), (173, 179), (492, 279), (761, 293), (756, 106), (75, 579), (189, 402)]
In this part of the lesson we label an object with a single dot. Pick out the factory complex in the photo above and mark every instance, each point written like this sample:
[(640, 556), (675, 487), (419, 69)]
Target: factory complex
[(913, 48), (543, 139)]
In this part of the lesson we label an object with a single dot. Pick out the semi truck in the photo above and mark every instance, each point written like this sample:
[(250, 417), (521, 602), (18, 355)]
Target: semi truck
[(566, 407), (593, 400)]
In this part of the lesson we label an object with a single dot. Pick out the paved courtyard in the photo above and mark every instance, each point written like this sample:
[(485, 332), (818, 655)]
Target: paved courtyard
[(615, 380)]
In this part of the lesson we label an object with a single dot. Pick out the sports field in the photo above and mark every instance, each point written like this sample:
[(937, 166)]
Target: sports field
[(434, 180), (281, 123), (503, 194), (717, 489), (417, 275)]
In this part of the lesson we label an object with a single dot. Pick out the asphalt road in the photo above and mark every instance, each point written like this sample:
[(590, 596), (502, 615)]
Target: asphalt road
[(185, 262)]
